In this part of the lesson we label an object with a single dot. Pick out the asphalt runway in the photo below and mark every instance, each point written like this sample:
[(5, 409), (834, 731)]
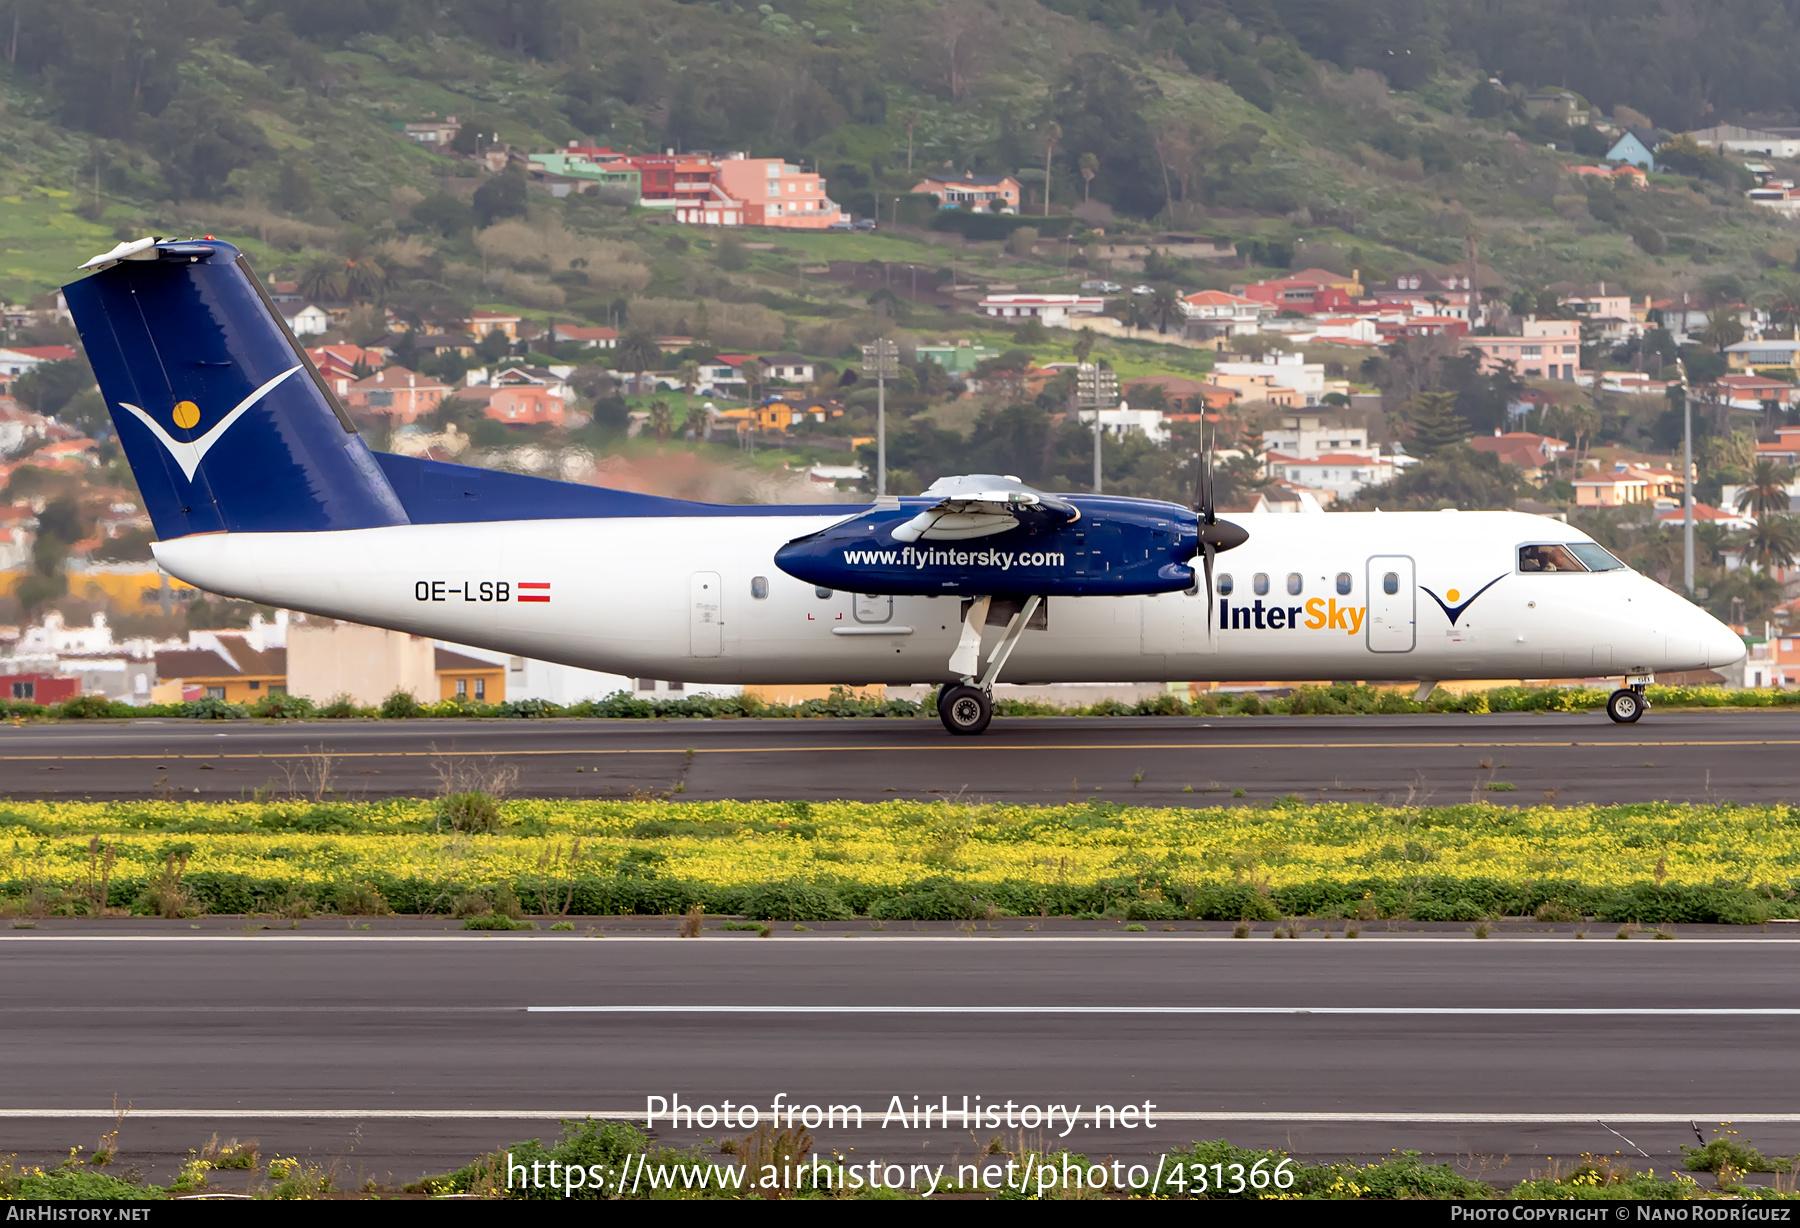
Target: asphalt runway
[(1568, 758), (393, 1055)]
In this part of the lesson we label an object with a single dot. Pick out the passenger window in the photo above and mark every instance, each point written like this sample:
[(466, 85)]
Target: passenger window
[(1343, 583), (1225, 584), (1259, 583), (1294, 584), (1390, 583), (1548, 558), (759, 587)]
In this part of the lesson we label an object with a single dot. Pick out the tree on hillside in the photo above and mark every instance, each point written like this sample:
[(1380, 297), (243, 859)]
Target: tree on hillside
[(1433, 425), (1052, 134), (1165, 306), (1766, 494), (753, 378), (500, 197), (637, 352), (1084, 344), (325, 279), (1723, 328), (53, 385), (1774, 542), (662, 419), (1090, 166)]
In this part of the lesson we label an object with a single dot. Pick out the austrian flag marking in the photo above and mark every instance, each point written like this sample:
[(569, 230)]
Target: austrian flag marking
[(531, 591)]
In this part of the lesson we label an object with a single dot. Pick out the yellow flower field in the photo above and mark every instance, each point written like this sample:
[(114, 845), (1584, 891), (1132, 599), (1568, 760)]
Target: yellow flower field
[(864, 851)]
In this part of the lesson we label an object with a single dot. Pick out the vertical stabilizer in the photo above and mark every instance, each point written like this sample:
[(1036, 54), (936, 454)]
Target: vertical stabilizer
[(226, 424)]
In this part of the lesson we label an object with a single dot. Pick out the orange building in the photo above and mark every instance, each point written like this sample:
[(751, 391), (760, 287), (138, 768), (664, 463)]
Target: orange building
[(394, 392), (466, 677), (776, 193), (524, 405)]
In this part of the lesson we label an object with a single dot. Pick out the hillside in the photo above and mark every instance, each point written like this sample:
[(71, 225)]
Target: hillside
[(277, 122)]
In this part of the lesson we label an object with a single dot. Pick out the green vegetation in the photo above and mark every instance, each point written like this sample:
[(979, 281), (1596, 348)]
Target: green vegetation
[(901, 860), (1342, 699)]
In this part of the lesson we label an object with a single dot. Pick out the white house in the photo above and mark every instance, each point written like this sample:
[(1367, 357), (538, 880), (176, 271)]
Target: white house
[(1344, 474), (1216, 313), (1283, 371), (309, 321), (794, 368), (1125, 421), (1053, 310), (1310, 436)]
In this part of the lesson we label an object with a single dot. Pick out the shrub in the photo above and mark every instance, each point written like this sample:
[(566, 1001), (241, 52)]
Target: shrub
[(281, 706), (362, 900), (527, 708), (469, 904), (399, 705), (498, 921), (472, 811), (86, 708), (339, 706), (212, 709)]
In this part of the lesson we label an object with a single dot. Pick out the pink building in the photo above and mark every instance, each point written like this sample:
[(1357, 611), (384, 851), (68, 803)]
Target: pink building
[(777, 193), (1546, 349)]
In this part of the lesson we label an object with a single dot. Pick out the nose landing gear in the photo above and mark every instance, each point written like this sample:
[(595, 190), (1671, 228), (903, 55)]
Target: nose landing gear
[(968, 706), (1627, 703)]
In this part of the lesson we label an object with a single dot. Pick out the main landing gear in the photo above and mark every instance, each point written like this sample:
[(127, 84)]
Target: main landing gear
[(1627, 703), (967, 707)]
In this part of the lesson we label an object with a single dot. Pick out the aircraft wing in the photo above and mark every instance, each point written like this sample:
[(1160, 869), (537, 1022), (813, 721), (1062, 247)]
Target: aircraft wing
[(981, 505)]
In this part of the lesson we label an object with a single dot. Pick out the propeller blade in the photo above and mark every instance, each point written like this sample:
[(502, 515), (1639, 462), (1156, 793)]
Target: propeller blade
[(1206, 550), (1208, 512)]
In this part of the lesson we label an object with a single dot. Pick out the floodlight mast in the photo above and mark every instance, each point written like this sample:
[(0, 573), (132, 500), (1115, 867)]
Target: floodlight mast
[(883, 356), (1096, 386)]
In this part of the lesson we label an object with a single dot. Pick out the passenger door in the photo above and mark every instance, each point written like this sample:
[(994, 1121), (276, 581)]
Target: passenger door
[(1392, 615), (704, 614)]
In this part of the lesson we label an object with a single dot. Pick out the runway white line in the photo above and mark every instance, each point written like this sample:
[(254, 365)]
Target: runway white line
[(1448, 1118), (1552, 1011)]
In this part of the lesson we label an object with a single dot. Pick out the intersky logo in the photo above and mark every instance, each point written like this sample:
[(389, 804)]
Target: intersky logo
[(189, 453), (1454, 612)]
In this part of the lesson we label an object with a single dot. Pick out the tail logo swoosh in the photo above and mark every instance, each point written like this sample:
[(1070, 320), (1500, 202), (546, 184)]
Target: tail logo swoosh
[(189, 453)]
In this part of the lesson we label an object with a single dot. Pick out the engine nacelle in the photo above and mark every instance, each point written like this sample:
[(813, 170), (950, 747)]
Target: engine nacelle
[(1061, 546)]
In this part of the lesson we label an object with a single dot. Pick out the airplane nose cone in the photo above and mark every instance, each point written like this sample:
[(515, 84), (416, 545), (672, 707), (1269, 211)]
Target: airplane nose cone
[(1723, 647)]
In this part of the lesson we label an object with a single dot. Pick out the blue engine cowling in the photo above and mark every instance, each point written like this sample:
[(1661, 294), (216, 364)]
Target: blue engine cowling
[(1116, 547)]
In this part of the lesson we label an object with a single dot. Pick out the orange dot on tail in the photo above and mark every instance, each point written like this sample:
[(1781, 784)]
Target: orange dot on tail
[(186, 415), (1453, 594)]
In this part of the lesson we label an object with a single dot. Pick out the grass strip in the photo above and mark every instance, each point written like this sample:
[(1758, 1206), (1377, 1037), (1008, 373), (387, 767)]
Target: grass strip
[(593, 1161), (1341, 700), (797, 861)]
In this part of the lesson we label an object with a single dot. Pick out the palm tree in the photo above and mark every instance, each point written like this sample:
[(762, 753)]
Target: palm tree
[(1165, 305), (1773, 542), (1723, 328), (689, 375), (1784, 310), (637, 353), (325, 279), (1090, 166), (1766, 494), (753, 378), (662, 419), (1084, 344), (1052, 135)]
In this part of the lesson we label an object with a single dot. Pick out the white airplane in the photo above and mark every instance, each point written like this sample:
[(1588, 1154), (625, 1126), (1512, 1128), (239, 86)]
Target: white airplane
[(261, 489)]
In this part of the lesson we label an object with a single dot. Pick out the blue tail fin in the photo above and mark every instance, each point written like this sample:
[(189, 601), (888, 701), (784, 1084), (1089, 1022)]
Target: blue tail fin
[(224, 420)]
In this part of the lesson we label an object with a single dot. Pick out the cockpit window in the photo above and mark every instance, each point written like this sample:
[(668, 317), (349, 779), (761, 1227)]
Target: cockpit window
[(1597, 557), (1549, 558)]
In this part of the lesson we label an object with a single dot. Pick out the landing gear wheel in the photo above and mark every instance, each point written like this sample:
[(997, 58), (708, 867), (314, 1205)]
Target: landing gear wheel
[(1625, 706), (965, 710)]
